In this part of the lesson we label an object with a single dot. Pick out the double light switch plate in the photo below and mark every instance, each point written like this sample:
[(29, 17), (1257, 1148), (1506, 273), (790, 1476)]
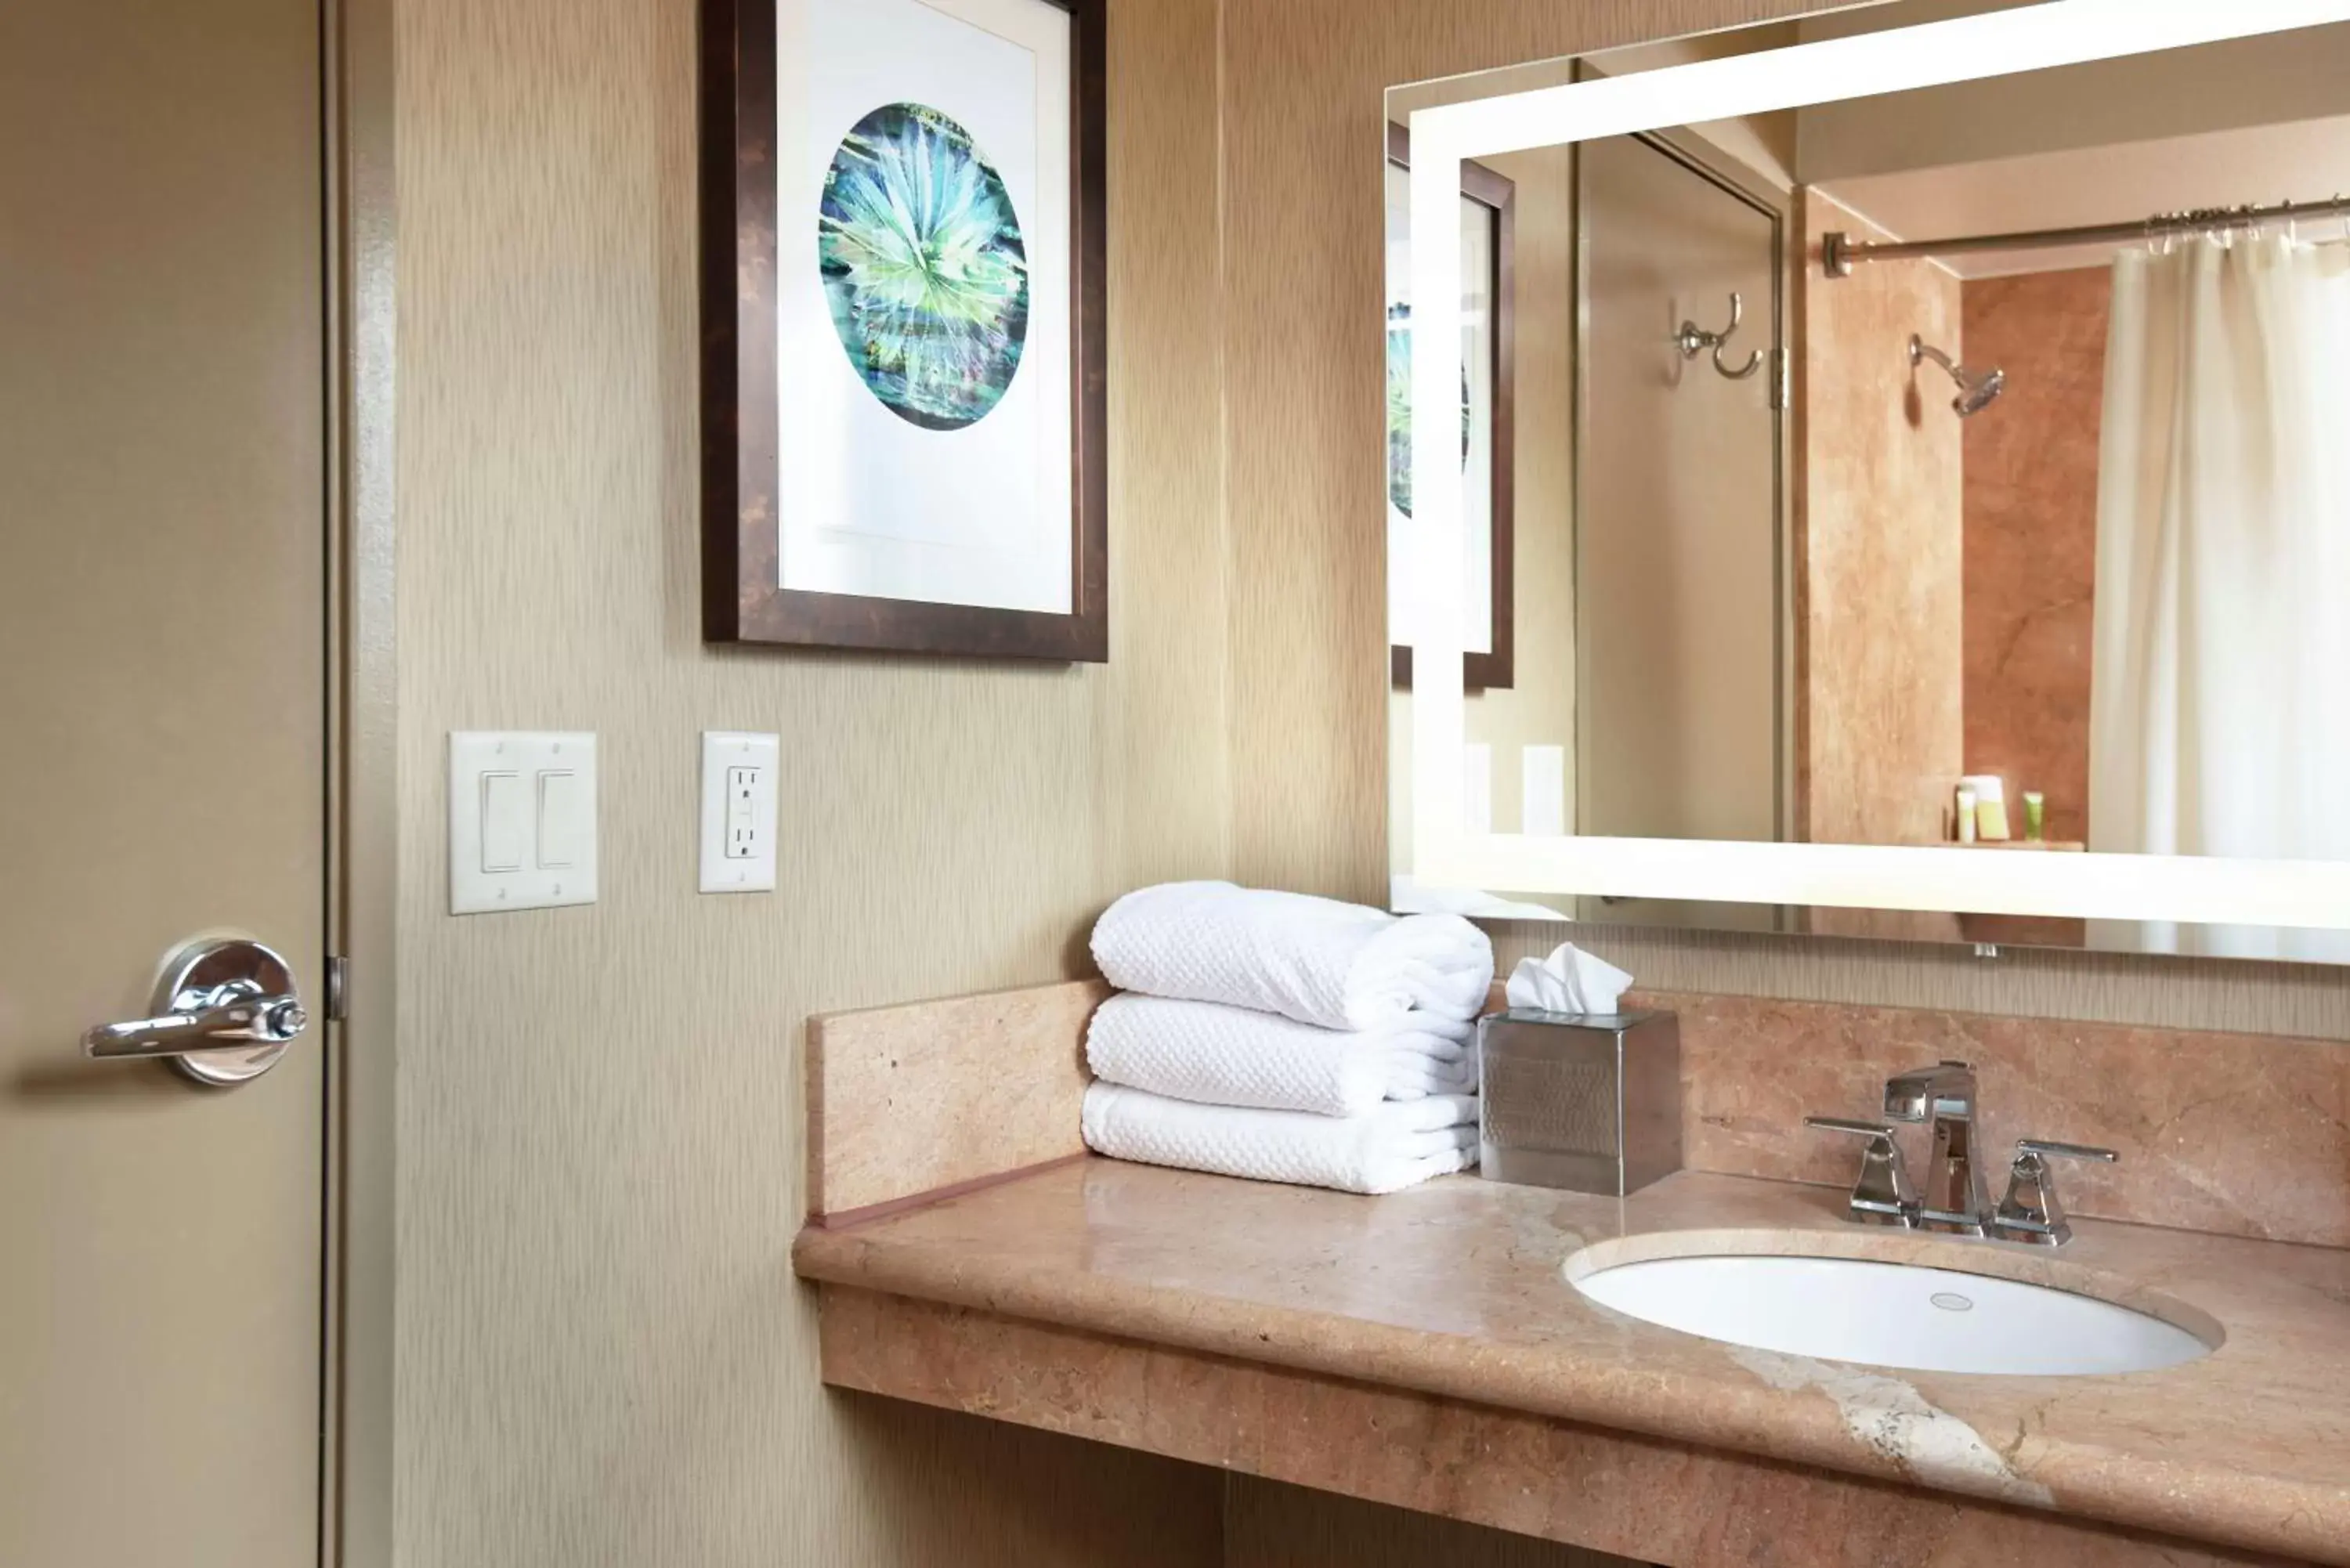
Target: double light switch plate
[(522, 820)]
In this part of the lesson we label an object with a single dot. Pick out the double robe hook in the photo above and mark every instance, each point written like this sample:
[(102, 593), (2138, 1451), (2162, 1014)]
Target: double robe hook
[(1693, 340)]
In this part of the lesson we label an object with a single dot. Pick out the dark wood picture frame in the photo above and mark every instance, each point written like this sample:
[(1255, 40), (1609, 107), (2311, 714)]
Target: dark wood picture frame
[(1496, 669), (742, 599)]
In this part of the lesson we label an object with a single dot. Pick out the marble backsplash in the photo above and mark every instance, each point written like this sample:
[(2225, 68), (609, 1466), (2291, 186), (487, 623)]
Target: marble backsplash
[(2246, 1135), (912, 1102), (2243, 1135)]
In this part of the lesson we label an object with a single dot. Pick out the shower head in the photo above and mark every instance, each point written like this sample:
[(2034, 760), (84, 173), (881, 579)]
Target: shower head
[(1977, 388)]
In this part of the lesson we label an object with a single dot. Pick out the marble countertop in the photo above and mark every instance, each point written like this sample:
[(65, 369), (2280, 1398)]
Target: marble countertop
[(1456, 1289)]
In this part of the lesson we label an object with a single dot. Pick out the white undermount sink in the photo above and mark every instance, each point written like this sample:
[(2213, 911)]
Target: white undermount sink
[(1892, 1315)]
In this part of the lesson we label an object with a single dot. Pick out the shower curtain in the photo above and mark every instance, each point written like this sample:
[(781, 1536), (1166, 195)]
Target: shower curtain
[(2219, 712)]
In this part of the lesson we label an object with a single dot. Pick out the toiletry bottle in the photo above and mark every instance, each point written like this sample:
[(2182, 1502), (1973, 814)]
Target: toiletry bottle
[(1965, 814), (1991, 805)]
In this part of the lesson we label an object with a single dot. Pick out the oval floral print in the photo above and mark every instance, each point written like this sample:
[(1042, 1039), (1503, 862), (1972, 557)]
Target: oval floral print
[(924, 267)]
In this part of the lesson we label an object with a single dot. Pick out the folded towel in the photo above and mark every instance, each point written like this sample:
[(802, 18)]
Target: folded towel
[(1221, 1056), (1319, 961), (1395, 1145)]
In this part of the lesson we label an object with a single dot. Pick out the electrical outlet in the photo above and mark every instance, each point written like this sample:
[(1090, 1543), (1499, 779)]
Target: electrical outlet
[(742, 813), (738, 811)]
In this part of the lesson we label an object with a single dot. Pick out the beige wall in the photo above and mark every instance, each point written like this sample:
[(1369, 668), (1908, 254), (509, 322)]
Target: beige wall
[(1763, 143), (2299, 75), (603, 1357), (1678, 535)]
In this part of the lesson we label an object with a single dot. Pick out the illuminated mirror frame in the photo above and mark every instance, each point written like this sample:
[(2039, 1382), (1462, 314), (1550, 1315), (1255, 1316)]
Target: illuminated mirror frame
[(2195, 889)]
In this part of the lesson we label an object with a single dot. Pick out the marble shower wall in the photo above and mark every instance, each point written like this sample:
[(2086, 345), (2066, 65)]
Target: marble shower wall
[(1878, 682), (1879, 727), (2031, 534)]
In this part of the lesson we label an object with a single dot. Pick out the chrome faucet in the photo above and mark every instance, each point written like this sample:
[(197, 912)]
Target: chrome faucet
[(1954, 1198), (2030, 1211), (1883, 1194)]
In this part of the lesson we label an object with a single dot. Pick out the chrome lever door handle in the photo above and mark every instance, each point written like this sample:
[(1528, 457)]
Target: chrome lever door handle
[(225, 1011), (225, 1016)]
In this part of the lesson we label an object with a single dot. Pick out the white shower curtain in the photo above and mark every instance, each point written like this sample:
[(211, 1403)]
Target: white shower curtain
[(2219, 714)]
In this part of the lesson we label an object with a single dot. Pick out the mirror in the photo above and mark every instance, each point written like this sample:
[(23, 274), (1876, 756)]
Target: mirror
[(1920, 514)]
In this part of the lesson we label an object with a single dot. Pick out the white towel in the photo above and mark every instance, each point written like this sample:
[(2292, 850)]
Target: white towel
[(1395, 1146), (1341, 966), (1221, 1056)]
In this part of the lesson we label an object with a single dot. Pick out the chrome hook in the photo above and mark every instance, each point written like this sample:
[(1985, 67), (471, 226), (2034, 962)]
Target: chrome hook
[(1693, 340)]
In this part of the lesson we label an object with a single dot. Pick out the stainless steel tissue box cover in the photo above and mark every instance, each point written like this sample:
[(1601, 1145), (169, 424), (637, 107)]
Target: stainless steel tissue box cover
[(1587, 1102)]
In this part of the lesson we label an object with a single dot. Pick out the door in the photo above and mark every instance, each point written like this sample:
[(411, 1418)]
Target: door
[(162, 679), (1679, 600)]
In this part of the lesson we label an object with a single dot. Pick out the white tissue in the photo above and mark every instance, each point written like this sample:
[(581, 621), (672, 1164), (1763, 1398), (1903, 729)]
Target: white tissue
[(1569, 980)]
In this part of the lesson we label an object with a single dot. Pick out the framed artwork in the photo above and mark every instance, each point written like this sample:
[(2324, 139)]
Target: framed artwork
[(904, 313), (1488, 435)]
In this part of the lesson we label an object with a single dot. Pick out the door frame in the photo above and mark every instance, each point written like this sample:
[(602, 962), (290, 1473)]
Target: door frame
[(358, 1292)]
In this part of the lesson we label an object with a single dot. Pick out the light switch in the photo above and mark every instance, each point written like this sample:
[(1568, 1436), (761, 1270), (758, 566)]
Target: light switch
[(521, 819), (566, 829), (738, 811), (505, 821)]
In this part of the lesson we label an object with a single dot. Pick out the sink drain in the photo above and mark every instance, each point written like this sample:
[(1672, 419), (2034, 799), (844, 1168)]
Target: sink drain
[(1951, 1300)]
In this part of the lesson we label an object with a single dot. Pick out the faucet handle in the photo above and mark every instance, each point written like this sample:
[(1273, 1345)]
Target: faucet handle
[(1848, 1124), (2030, 1211), (1882, 1196), (2064, 1150)]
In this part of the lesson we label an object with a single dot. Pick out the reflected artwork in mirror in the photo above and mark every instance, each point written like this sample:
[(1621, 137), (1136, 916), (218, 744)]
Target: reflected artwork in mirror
[(1941, 530), (1487, 415)]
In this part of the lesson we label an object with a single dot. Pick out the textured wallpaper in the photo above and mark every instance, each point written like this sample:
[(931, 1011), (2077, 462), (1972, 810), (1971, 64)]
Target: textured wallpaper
[(603, 1357)]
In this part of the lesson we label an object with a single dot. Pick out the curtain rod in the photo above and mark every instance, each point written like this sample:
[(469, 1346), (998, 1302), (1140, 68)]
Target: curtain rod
[(1839, 250)]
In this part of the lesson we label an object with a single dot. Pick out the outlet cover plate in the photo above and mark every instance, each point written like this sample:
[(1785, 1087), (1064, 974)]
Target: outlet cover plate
[(723, 750)]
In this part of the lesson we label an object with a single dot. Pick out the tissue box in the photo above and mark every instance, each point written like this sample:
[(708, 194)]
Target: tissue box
[(1586, 1102)]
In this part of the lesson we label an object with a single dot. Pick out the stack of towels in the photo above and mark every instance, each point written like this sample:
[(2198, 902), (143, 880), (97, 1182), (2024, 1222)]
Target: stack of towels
[(1285, 1038)]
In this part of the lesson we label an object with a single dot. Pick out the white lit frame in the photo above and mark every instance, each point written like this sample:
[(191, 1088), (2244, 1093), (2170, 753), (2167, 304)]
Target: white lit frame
[(2199, 889)]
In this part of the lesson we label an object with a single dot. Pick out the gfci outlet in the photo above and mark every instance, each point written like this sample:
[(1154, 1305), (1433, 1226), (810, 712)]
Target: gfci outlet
[(738, 811)]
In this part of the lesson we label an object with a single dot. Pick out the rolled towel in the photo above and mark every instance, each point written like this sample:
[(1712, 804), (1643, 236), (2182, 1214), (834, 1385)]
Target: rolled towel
[(1340, 966), (1218, 1055), (1397, 1144)]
